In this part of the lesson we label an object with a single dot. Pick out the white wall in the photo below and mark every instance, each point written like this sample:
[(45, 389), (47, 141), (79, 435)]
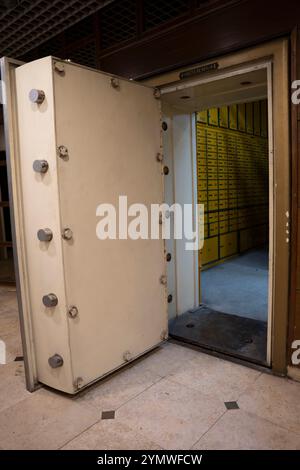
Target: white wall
[(180, 187)]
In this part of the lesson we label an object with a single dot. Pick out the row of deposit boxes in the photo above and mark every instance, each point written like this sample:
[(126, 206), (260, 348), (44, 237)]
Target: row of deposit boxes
[(233, 180)]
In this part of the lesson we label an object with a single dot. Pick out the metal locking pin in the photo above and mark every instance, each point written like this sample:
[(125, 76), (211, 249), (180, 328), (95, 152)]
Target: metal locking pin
[(50, 300), (41, 166), (37, 96), (45, 235), (55, 361)]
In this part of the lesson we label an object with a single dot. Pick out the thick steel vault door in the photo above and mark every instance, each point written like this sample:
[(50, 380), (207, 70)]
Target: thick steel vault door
[(79, 138)]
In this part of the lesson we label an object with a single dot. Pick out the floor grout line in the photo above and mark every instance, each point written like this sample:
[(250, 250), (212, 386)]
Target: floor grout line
[(250, 385), (79, 434), (170, 378), (140, 393), (271, 422), (211, 427), (116, 409), (190, 387)]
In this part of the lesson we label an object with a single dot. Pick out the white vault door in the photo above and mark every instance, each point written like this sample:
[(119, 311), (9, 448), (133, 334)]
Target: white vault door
[(111, 136)]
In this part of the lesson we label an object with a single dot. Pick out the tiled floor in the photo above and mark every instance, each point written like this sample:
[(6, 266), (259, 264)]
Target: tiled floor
[(172, 399)]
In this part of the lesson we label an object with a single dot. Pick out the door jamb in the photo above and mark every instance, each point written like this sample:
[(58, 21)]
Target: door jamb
[(8, 67)]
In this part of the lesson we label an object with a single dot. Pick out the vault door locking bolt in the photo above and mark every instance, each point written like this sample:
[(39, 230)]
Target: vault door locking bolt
[(50, 300), (45, 235), (55, 361), (37, 96), (40, 166)]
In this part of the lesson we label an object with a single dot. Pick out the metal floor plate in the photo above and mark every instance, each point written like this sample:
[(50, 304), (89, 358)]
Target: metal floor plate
[(241, 337)]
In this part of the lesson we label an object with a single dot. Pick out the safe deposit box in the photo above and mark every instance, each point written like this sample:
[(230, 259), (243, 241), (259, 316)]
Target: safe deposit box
[(77, 138)]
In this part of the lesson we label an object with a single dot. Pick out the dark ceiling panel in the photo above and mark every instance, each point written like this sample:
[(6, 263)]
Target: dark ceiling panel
[(235, 25), (118, 22), (30, 23), (156, 13)]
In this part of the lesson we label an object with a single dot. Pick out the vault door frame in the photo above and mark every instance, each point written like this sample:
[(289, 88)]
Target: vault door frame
[(274, 58), (194, 278)]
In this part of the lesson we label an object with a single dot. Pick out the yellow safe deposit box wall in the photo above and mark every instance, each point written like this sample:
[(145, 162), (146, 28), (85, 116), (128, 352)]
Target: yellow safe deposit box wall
[(232, 155)]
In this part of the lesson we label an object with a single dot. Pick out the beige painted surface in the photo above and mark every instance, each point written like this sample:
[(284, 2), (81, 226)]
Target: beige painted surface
[(40, 204), (113, 137)]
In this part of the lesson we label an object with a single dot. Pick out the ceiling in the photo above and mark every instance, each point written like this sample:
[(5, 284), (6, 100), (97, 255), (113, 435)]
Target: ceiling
[(26, 24), (240, 88)]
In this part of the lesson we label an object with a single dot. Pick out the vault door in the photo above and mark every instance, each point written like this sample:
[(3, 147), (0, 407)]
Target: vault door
[(93, 305)]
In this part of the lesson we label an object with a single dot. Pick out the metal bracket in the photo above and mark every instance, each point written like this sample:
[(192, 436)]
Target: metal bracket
[(78, 383), (127, 356), (59, 67), (63, 152), (67, 234), (73, 312), (115, 83), (164, 335), (157, 93)]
